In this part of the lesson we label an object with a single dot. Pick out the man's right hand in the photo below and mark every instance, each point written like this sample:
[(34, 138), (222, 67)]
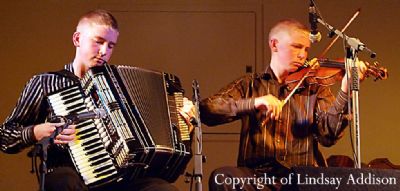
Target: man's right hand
[(46, 129), (270, 104)]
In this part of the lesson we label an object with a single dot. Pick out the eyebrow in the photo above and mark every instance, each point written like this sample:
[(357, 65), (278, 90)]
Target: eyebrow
[(297, 44), (103, 39)]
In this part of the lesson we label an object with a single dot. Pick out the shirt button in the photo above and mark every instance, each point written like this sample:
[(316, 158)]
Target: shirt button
[(278, 141)]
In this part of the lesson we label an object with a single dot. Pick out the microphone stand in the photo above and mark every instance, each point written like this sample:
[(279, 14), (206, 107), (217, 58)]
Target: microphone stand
[(198, 155), (354, 46), (354, 81)]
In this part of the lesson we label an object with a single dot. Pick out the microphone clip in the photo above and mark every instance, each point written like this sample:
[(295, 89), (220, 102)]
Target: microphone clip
[(315, 35)]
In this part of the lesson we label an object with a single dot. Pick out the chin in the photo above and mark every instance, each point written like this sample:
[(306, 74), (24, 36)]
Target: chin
[(93, 64), (99, 64)]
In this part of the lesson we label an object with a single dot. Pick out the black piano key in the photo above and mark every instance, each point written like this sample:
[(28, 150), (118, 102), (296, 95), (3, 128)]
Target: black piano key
[(102, 169), (98, 162), (88, 135), (85, 123), (71, 94), (75, 106), (105, 173), (70, 91), (86, 131), (93, 158), (92, 146), (94, 151), (72, 100), (76, 110), (87, 143)]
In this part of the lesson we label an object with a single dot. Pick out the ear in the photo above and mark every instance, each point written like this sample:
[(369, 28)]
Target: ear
[(76, 38), (273, 44)]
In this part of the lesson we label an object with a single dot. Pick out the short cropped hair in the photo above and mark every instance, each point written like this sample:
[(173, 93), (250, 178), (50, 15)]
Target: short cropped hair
[(287, 25), (100, 17)]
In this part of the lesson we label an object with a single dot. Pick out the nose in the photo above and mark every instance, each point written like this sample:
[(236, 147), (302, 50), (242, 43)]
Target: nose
[(302, 54), (103, 50)]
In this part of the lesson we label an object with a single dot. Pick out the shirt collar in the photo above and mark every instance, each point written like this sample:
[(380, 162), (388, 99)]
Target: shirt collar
[(69, 67), (270, 76)]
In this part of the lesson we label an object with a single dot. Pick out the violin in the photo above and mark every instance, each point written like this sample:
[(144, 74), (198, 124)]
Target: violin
[(329, 72)]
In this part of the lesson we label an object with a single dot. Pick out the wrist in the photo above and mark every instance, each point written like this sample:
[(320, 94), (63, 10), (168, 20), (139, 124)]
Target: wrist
[(28, 135), (245, 105), (344, 85), (257, 102)]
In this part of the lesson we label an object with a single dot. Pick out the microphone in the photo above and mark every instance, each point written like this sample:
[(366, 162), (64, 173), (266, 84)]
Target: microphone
[(315, 35), (78, 117)]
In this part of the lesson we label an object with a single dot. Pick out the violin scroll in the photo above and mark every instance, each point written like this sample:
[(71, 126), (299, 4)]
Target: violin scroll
[(380, 73)]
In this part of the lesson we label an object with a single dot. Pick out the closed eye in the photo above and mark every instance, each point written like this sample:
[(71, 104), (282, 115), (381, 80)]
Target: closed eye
[(300, 46)]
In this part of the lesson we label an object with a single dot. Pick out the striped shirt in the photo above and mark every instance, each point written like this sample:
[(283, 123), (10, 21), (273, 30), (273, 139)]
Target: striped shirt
[(16, 133), (311, 116)]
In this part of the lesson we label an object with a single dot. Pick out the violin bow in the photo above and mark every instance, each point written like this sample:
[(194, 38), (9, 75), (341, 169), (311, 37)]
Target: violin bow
[(294, 89)]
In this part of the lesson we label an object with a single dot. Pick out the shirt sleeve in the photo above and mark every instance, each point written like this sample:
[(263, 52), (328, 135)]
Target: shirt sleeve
[(228, 104), (16, 133), (331, 116)]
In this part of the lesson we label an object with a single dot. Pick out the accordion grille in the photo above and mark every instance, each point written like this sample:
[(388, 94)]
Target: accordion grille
[(147, 92)]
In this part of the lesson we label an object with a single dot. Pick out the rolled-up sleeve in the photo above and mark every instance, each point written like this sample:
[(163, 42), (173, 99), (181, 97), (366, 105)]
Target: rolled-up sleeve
[(331, 116), (228, 104)]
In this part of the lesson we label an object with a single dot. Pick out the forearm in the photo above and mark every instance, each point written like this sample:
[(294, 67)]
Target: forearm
[(215, 111), (229, 103), (332, 121), (14, 138)]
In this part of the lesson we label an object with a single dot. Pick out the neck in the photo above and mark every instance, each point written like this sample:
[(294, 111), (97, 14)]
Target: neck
[(279, 73), (79, 69)]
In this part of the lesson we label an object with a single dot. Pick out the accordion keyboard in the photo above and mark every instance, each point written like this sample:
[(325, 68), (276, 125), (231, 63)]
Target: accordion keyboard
[(88, 149)]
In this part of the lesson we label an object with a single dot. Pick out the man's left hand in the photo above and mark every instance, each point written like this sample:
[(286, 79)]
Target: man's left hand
[(187, 112)]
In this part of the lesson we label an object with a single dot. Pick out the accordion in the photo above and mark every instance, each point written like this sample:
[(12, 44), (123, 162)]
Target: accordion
[(142, 133)]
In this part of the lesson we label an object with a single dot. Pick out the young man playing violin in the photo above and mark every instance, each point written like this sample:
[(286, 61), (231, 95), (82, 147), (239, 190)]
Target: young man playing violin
[(277, 135)]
